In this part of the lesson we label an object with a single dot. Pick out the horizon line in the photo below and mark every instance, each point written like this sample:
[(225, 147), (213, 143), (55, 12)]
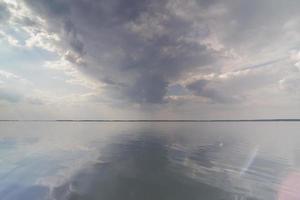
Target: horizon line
[(154, 120)]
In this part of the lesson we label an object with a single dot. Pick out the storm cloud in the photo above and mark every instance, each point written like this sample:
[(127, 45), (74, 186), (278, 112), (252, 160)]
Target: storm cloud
[(136, 47), (138, 50)]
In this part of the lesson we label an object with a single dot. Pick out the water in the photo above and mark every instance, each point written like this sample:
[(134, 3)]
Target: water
[(157, 161)]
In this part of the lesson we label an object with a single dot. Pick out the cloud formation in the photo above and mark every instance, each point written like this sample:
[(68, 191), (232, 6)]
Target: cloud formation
[(142, 52), (136, 47)]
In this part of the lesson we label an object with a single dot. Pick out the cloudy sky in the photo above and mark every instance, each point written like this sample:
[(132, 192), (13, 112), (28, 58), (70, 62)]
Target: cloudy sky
[(151, 59)]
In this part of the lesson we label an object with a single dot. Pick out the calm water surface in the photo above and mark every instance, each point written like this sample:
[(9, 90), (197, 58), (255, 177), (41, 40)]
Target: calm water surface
[(149, 161)]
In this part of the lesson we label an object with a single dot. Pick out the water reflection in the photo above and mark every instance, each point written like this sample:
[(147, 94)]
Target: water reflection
[(139, 169), (87, 161)]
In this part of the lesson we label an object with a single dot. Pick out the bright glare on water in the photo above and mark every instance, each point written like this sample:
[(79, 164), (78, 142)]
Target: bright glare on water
[(149, 161)]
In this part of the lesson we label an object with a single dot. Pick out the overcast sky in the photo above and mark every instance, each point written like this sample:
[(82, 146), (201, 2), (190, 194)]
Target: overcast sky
[(151, 59)]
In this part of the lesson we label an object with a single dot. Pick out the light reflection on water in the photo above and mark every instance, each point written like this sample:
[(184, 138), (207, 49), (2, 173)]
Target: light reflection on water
[(252, 160)]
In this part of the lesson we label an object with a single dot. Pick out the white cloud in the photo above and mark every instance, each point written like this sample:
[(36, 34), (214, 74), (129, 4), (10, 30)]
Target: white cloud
[(75, 77), (11, 78), (9, 39)]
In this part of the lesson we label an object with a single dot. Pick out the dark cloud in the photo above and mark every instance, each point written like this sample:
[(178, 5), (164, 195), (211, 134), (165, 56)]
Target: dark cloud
[(214, 94), (140, 45), (198, 86), (149, 89), (75, 44)]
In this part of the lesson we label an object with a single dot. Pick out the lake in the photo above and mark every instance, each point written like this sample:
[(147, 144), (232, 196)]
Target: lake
[(149, 160)]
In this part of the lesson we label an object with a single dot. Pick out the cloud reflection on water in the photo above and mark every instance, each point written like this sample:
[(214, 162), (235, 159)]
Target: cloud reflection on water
[(61, 161)]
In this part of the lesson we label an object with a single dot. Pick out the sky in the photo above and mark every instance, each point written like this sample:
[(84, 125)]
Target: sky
[(149, 59)]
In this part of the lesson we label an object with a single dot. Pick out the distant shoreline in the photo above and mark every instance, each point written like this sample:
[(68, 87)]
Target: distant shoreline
[(134, 120)]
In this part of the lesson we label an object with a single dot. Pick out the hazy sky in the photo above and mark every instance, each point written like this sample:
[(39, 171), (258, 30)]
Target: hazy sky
[(153, 59)]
